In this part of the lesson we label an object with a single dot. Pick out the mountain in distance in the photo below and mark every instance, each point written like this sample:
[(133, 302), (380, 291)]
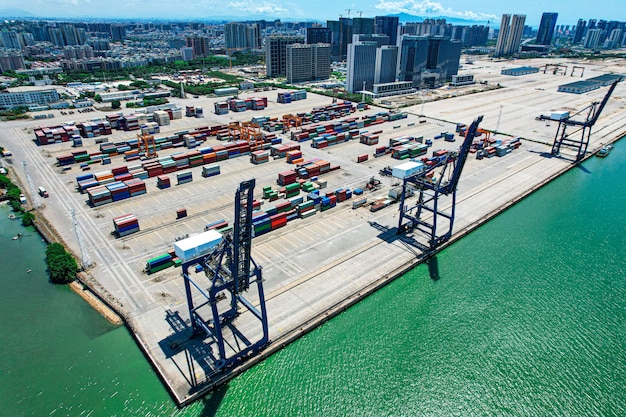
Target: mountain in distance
[(15, 13), (406, 18)]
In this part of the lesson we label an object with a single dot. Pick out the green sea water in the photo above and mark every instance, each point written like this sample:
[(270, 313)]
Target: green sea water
[(528, 318)]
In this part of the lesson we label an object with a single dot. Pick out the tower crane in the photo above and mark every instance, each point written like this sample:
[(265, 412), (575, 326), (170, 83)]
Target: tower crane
[(431, 189), (230, 271), (580, 145)]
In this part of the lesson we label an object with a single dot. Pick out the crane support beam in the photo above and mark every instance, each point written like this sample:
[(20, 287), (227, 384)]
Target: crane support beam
[(426, 215), (579, 143), (216, 303)]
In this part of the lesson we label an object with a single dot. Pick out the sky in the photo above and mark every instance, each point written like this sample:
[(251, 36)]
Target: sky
[(482, 10)]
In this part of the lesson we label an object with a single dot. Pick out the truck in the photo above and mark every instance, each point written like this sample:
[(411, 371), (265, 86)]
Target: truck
[(43, 192)]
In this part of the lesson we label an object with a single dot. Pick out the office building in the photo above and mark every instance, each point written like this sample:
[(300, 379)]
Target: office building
[(276, 53), (510, 35), (28, 97), (318, 35), (242, 36), (342, 32), (385, 68), (306, 62), (387, 25), (428, 60), (361, 68), (546, 28)]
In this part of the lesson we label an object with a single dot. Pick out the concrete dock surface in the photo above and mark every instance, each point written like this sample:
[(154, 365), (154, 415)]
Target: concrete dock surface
[(312, 267)]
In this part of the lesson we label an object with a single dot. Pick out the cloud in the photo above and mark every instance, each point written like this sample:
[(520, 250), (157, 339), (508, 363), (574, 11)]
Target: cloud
[(262, 7), (427, 7)]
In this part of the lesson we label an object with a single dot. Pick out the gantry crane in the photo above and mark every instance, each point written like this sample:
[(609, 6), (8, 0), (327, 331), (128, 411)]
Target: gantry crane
[(251, 133), (430, 189), (147, 145), (580, 145), (230, 271)]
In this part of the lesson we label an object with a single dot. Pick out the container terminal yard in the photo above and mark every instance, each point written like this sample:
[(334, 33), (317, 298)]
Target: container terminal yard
[(318, 255)]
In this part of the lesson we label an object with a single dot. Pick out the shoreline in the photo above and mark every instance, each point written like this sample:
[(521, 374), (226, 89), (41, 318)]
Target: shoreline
[(311, 324)]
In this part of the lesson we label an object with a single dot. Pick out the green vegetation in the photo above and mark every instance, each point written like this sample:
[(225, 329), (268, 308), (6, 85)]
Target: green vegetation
[(14, 113), (28, 219), (145, 103), (12, 192), (115, 104), (61, 265)]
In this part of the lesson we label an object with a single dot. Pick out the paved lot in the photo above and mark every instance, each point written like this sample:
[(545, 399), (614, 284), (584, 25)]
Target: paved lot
[(312, 264)]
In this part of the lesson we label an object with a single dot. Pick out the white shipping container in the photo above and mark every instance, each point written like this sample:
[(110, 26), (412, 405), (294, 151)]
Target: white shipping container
[(407, 169), (198, 245), (559, 115)]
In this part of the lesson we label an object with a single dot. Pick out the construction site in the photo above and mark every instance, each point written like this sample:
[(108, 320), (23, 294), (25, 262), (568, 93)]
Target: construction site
[(221, 236)]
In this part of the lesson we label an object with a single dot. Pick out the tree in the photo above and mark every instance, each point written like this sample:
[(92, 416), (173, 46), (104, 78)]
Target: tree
[(61, 265), (28, 218), (97, 98), (115, 104)]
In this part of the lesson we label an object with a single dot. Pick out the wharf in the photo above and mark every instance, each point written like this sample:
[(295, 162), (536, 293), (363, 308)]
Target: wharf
[(313, 268)]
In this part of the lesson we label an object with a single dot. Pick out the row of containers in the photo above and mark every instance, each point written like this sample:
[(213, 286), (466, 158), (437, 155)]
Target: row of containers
[(293, 206), (185, 138), (104, 188), (286, 98), (240, 105), (125, 225), (305, 170), (115, 191), (133, 121)]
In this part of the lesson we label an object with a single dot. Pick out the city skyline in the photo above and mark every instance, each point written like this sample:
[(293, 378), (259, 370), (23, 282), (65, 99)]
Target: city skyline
[(477, 10)]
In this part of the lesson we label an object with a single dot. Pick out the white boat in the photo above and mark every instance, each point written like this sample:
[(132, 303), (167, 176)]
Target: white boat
[(12, 216), (604, 151)]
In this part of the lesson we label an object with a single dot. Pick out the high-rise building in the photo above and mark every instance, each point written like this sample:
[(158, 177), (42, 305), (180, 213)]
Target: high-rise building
[(546, 28), (242, 36), (200, 45), (26, 39), (592, 39), (11, 60), (614, 40), (380, 39), (386, 64), (510, 35), (70, 37), (118, 33), (428, 60), (581, 27), (307, 62), (361, 68), (276, 53), (186, 53), (387, 25), (10, 40), (342, 31), (318, 35)]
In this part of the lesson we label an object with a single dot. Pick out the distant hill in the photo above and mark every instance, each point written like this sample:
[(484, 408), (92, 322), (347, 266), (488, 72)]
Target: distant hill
[(406, 18), (15, 13)]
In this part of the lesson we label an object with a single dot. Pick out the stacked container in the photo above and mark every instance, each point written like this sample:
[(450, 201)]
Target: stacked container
[(292, 190), (259, 157), (159, 263), (136, 186), (126, 224), (184, 177), (119, 190), (287, 177), (99, 195), (210, 170)]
